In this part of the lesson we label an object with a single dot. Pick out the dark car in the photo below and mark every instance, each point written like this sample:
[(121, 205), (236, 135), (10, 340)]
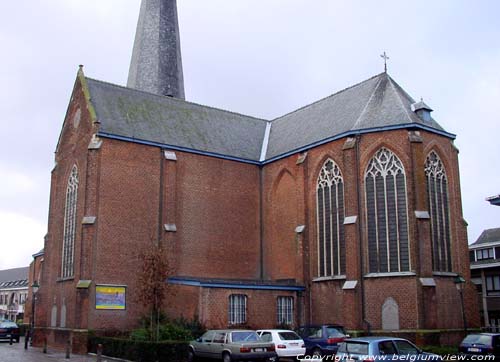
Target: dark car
[(480, 344), (324, 339), (7, 329)]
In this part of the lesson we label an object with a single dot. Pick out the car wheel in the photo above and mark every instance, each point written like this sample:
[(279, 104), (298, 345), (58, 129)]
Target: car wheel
[(191, 356), (317, 352), (226, 357)]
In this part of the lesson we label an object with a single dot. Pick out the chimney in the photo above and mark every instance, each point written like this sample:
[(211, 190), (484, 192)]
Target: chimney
[(156, 65)]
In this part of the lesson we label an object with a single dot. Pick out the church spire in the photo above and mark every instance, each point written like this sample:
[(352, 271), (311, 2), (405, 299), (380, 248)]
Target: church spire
[(156, 64)]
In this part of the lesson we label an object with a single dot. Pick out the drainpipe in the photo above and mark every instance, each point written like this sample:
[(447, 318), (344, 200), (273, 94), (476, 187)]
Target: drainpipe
[(261, 221), (360, 235)]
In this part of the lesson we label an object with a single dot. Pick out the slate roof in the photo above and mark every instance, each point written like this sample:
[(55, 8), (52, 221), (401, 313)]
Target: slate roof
[(375, 104), (17, 277), (170, 121), (488, 236)]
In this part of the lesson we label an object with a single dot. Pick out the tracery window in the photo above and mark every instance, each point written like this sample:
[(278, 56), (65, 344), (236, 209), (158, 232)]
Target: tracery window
[(387, 214), (330, 219), (68, 252), (437, 191)]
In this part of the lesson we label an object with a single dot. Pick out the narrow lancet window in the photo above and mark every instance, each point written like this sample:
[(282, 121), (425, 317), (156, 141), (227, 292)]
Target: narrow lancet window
[(68, 251), (387, 214), (330, 218), (437, 191)]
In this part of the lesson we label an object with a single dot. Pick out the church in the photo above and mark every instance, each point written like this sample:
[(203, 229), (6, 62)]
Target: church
[(347, 210)]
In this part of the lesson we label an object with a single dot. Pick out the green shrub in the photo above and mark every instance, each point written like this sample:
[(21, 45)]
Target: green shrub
[(174, 332), (193, 325), (141, 334)]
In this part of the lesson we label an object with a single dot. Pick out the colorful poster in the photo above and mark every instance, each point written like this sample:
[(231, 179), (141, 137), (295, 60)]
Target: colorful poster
[(110, 297)]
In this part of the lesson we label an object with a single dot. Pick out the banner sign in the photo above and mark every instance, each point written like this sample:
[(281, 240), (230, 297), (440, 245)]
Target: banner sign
[(110, 297)]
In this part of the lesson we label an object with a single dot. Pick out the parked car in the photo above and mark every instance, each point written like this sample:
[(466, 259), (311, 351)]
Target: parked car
[(382, 348), (7, 329), (480, 344), (286, 343), (322, 339), (231, 345)]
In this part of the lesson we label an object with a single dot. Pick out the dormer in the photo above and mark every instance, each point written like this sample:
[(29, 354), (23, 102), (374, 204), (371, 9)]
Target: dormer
[(422, 110)]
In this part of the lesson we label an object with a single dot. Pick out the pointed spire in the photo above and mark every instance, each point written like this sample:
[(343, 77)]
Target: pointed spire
[(156, 64)]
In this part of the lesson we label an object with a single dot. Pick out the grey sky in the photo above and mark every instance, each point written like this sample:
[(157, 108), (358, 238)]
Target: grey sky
[(257, 57)]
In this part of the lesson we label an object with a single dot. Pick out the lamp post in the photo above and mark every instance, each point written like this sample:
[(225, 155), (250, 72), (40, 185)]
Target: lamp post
[(34, 289), (459, 284)]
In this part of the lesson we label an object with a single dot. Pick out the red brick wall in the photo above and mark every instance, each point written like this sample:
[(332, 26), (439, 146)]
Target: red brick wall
[(261, 307), (327, 297), (72, 150)]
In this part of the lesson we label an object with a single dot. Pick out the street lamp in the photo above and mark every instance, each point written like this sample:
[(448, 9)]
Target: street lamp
[(459, 284), (34, 289)]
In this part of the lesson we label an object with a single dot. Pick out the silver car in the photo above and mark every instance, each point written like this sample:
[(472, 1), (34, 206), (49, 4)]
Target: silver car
[(231, 345)]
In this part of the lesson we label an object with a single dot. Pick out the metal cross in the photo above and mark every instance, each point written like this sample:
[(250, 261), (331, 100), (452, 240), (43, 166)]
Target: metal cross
[(385, 57)]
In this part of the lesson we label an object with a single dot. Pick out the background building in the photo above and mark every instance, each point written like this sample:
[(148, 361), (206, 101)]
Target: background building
[(13, 293), (347, 210), (485, 273)]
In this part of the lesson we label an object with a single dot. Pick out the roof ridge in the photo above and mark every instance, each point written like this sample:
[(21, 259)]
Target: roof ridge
[(366, 105), (329, 96), (176, 99)]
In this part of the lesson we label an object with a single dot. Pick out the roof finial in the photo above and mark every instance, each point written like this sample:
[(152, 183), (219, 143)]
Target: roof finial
[(385, 57)]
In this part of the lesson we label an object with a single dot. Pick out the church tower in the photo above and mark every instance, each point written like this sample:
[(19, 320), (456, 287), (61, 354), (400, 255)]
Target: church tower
[(156, 65)]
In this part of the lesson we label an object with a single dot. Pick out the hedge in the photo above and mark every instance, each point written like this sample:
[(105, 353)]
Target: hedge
[(140, 351)]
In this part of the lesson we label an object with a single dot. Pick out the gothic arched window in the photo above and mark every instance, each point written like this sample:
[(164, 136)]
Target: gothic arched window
[(68, 251), (330, 217), (437, 191), (387, 214)]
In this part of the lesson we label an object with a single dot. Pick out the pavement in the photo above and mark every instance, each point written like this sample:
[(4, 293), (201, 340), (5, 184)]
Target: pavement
[(17, 353)]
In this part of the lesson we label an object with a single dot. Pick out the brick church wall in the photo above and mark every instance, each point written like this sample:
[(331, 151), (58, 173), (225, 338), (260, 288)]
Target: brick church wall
[(216, 206)]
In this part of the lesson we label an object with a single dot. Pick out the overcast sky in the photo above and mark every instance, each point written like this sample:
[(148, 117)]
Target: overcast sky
[(258, 57)]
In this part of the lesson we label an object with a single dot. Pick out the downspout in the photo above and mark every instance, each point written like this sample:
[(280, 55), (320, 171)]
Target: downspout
[(160, 204), (261, 222), (360, 235)]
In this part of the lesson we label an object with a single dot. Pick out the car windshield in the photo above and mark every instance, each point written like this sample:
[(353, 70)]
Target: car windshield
[(333, 332), (477, 339), (354, 347), (8, 325), (245, 337), (288, 336)]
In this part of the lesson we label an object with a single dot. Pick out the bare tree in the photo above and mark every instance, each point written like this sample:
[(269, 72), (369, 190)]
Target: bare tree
[(152, 284)]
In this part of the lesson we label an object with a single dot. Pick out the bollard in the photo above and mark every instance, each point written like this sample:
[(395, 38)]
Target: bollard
[(99, 353), (10, 339), (68, 348), (26, 339), (45, 345)]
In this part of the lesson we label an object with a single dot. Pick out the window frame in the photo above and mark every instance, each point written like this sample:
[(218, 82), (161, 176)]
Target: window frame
[(331, 249), (70, 225), (285, 310), (237, 309), (385, 163), (438, 198)]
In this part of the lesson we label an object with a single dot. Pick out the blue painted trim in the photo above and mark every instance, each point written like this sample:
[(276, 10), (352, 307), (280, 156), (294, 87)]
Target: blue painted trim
[(176, 148), (359, 132), (226, 285), (283, 155)]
